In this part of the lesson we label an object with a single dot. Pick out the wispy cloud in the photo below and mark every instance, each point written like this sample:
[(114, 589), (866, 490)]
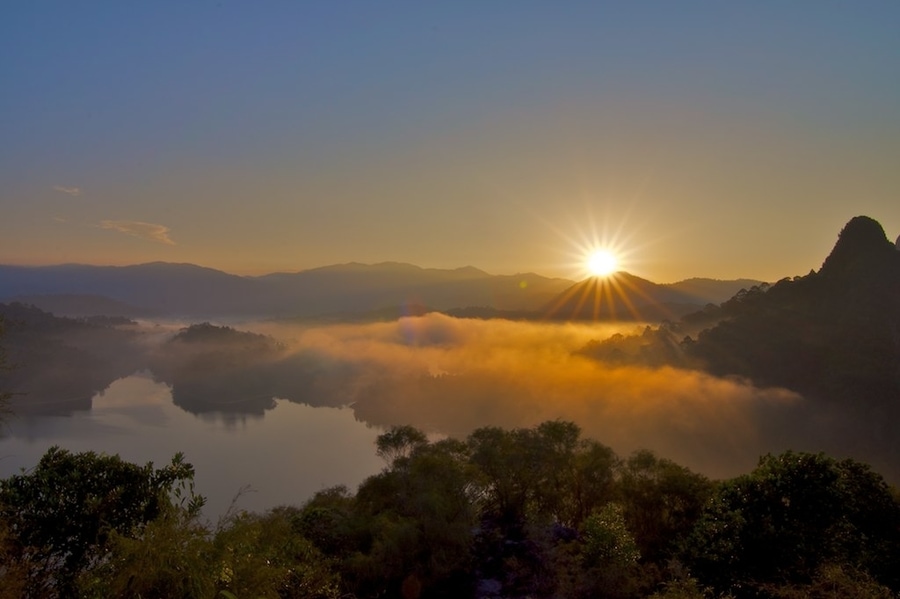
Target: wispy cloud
[(72, 191), (148, 231)]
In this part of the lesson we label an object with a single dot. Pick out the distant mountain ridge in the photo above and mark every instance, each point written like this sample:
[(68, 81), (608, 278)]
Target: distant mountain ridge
[(81, 305), (714, 291), (188, 290)]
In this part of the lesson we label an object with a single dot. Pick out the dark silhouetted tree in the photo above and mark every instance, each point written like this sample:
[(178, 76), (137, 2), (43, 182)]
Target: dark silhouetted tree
[(62, 513), (793, 515)]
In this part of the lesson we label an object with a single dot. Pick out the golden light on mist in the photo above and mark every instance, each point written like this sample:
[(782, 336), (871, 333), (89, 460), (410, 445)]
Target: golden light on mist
[(450, 376)]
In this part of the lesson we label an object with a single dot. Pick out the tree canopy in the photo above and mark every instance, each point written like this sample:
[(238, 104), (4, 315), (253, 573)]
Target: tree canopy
[(538, 512)]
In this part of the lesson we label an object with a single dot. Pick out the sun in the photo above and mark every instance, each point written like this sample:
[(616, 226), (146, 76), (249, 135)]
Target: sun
[(600, 248), (602, 263)]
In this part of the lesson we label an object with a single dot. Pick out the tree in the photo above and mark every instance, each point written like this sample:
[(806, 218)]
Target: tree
[(420, 518), (545, 474), (795, 514), (60, 516), (537, 489), (661, 502), (266, 556), (609, 556), (607, 540), (399, 442), (247, 555), (329, 520), (171, 556)]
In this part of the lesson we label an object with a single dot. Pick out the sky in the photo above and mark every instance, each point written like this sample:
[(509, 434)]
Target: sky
[(703, 139)]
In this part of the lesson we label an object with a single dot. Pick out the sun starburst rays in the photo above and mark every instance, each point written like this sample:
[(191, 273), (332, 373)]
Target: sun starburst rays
[(601, 256), (615, 297)]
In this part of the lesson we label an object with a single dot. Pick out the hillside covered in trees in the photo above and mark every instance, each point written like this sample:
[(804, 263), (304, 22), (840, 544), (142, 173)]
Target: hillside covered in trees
[(537, 512), (56, 362)]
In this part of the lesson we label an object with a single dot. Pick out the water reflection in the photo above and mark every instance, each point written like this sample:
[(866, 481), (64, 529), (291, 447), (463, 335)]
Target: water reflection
[(285, 458)]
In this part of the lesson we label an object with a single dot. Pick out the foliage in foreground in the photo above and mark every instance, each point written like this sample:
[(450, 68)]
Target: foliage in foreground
[(537, 512)]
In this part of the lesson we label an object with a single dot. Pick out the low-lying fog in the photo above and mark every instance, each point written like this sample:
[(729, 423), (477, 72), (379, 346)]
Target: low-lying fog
[(444, 375), (451, 376)]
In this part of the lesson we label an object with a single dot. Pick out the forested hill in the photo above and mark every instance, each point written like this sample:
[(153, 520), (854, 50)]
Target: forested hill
[(58, 364), (832, 334)]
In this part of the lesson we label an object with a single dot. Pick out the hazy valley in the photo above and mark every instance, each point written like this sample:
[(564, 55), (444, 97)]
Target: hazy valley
[(808, 363)]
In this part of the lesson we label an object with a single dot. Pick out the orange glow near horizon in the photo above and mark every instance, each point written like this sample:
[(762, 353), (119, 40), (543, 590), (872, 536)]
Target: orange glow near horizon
[(600, 247), (602, 258)]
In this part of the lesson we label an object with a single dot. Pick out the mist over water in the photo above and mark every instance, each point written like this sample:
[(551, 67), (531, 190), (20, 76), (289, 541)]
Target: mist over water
[(300, 411), (452, 376)]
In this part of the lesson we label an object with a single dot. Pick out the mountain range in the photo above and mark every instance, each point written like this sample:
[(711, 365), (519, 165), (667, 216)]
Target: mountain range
[(187, 290)]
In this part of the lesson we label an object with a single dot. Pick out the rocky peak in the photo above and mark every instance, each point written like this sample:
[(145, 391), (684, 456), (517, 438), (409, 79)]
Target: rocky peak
[(862, 247)]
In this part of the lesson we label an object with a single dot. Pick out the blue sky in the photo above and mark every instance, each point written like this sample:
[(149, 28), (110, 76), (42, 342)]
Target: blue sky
[(695, 138)]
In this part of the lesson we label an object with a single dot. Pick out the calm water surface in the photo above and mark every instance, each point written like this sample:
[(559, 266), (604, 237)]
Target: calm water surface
[(285, 456)]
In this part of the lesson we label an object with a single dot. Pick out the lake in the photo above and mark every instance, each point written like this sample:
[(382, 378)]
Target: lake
[(285, 456)]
